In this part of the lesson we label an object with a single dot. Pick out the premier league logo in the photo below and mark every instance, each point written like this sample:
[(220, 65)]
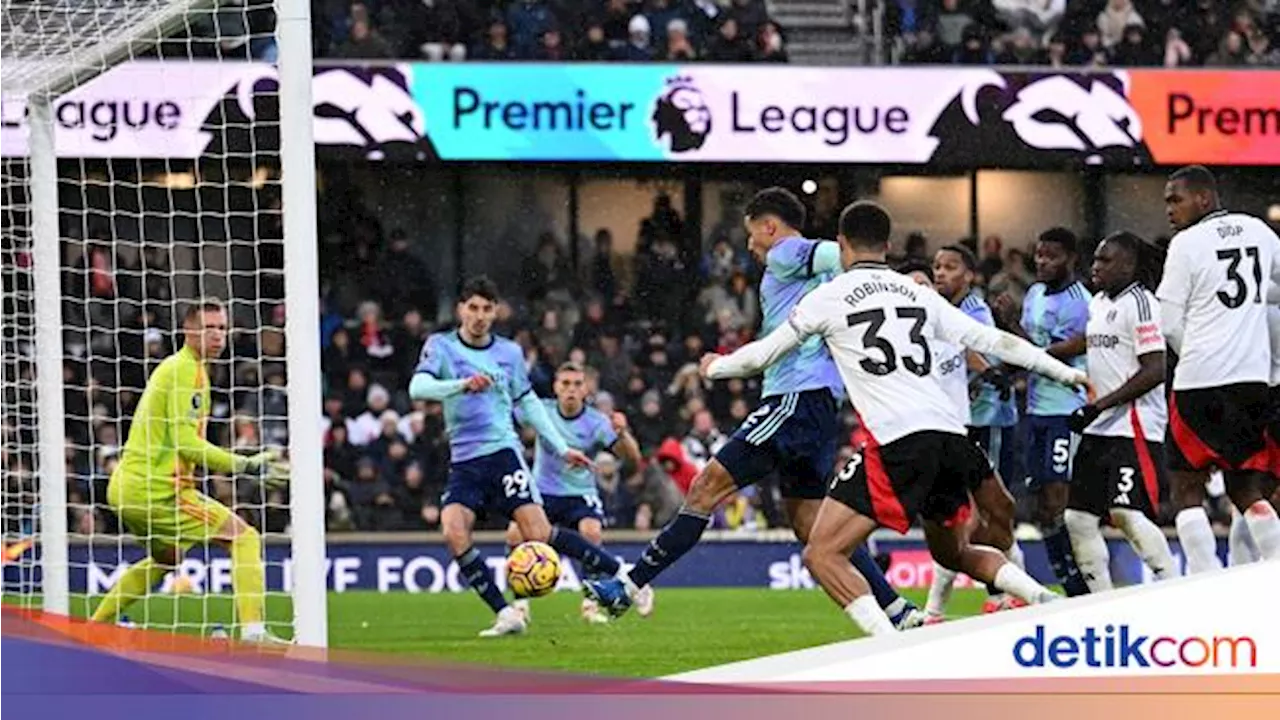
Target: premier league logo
[(682, 114)]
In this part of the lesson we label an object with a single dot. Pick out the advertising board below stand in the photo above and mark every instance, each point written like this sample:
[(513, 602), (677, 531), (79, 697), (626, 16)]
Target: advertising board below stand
[(393, 564), (948, 117)]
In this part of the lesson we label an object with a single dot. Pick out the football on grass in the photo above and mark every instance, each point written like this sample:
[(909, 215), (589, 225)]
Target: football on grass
[(533, 569)]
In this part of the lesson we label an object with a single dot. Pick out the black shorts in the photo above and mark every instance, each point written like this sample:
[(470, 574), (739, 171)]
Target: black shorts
[(569, 510), (926, 474), (496, 482), (1223, 427), (1117, 472), (796, 434)]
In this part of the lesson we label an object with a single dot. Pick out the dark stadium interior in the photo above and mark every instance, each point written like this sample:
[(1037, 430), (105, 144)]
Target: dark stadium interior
[(1056, 33)]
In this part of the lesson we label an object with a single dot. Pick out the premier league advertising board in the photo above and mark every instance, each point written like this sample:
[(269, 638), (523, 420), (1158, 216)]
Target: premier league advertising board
[(947, 117), (427, 567)]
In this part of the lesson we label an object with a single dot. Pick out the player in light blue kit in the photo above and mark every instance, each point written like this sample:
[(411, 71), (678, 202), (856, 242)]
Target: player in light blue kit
[(795, 431), (570, 495), (1055, 313), (481, 379)]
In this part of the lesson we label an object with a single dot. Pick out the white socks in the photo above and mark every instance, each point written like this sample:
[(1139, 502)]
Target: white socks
[(1264, 526), (1198, 543), (1148, 541), (1014, 553), (1240, 546), (869, 617), (940, 590), (1090, 548), (1014, 580), (253, 631)]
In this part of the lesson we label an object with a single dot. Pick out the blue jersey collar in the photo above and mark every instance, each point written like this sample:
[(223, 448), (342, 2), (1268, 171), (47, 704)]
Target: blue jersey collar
[(486, 346)]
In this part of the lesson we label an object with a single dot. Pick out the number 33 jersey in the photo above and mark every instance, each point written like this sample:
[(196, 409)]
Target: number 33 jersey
[(1220, 270), (879, 326)]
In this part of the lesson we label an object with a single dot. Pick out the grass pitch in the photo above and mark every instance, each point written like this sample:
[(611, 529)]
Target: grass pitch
[(690, 628)]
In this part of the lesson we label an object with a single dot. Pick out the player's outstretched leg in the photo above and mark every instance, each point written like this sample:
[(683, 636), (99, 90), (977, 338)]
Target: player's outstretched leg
[(994, 528), (1241, 549), (1092, 556), (248, 580), (590, 529), (1195, 534), (950, 546), (710, 488), (1245, 489), (836, 532), (132, 586), (456, 521), (1147, 540), (802, 513), (513, 540), (1057, 540)]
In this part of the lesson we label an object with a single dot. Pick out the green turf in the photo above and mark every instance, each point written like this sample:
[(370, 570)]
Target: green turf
[(690, 628)]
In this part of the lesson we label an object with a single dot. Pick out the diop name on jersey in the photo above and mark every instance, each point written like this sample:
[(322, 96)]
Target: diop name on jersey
[(1104, 341), (873, 287)]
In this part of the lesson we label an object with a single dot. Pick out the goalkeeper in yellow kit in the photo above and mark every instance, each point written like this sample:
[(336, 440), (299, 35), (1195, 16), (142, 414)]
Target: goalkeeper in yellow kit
[(153, 487)]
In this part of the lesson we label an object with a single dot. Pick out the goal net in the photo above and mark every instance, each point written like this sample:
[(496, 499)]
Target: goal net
[(143, 169)]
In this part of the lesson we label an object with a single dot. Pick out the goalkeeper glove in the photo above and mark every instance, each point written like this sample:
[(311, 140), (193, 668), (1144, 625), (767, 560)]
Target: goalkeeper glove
[(268, 468), (1083, 417)]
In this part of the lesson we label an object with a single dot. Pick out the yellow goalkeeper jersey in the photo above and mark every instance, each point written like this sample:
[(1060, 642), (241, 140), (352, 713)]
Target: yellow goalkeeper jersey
[(166, 441)]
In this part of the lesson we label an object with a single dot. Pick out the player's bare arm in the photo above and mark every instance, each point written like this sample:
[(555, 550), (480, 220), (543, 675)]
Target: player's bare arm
[(753, 357), (626, 446), (1069, 348)]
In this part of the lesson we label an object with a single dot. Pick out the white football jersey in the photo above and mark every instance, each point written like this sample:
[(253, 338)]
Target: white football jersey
[(1221, 270), (1120, 330), (951, 363), (884, 332)]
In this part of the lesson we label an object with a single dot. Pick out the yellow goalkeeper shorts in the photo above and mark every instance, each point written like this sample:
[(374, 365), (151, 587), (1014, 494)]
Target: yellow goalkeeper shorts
[(169, 519)]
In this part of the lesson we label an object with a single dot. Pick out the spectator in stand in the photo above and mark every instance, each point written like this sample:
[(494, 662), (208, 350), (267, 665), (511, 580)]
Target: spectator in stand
[(1020, 49), (749, 14), (1056, 54), (1262, 52), (1134, 50), (437, 29), (528, 20), (594, 46), (1177, 53), (952, 23), (496, 44), (637, 47), (770, 45), (974, 49), (926, 50), (417, 505), (704, 439), (616, 20), (404, 280), (1090, 50), (364, 43), (1039, 17), (728, 46), (679, 49), (1231, 51), (1114, 19), (372, 505), (551, 47), (367, 426)]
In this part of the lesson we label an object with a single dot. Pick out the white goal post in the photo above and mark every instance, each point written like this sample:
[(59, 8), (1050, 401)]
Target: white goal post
[(100, 253)]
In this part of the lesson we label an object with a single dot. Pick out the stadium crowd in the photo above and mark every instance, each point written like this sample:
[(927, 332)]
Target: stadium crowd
[(1056, 33), (548, 30), (1092, 33)]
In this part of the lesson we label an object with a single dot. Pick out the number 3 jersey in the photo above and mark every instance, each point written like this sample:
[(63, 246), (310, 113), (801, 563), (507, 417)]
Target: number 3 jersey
[(1219, 272), (1120, 330), (880, 326)]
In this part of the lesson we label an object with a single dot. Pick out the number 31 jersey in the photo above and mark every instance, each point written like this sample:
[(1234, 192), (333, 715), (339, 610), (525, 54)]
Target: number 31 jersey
[(1221, 269), (879, 326)]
